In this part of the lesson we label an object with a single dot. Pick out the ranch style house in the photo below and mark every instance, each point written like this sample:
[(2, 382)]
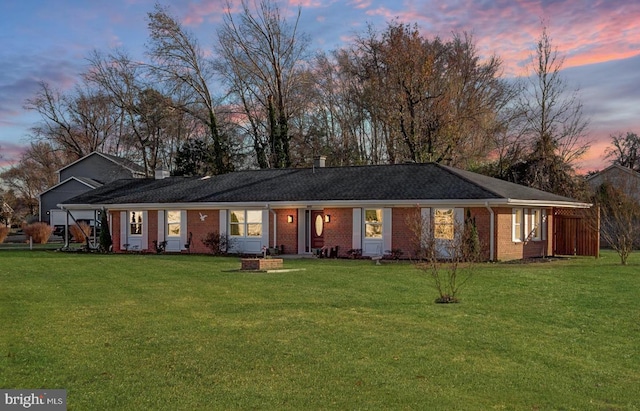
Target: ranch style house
[(307, 210)]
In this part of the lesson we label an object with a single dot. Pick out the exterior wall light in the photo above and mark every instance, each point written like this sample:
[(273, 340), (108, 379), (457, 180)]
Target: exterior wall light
[(289, 219), (327, 218)]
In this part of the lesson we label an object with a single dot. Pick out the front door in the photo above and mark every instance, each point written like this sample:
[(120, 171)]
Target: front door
[(317, 229)]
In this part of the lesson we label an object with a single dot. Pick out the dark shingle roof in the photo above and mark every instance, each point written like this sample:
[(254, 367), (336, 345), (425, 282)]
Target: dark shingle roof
[(405, 182)]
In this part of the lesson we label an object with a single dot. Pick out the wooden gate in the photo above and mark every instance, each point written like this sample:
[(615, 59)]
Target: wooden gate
[(574, 233)]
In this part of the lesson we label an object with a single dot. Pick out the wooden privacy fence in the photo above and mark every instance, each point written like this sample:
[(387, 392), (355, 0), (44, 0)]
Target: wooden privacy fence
[(576, 232)]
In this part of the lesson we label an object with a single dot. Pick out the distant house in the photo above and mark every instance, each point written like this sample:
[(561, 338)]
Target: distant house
[(620, 177), (301, 211), (81, 176)]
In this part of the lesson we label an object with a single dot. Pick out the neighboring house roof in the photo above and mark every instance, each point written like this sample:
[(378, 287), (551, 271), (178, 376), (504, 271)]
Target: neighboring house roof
[(384, 184), (613, 168), (84, 180), (123, 162)]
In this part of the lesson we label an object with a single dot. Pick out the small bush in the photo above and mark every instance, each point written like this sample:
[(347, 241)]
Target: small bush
[(40, 232), (219, 244), (105, 236), (80, 231), (4, 232)]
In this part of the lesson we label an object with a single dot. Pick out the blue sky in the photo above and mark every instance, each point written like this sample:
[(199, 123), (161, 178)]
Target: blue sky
[(48, 40)]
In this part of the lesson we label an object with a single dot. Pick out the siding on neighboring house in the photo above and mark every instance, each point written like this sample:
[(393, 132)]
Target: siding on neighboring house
[(96, 167)]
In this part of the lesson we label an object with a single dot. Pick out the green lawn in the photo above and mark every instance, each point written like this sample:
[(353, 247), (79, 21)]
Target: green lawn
[(136, 332)]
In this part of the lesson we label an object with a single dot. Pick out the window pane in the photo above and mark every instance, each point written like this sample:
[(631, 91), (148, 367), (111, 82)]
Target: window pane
[(173, 217), (173, 223), (237, 230), (135, 225), (237, 216), (254, 230), (443, 223), (535, 223), (517, 224), (173, 229), (373, 216), (373, 231), (254, 216)]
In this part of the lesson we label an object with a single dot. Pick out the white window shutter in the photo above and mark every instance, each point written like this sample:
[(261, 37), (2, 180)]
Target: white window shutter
[(183, 228), (265, 228), (425, 214), (459, 217), (161, 226), (145, 231), (223, 222), (356, 242)]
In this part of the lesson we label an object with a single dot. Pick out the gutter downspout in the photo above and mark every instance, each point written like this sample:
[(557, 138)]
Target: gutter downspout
[(492, 220)]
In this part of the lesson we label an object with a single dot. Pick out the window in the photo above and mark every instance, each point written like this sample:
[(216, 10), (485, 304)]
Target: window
[(135, 223), (373, 223), (443, 219), (518, 226), (536, 224), (245, 223), (173, 223)]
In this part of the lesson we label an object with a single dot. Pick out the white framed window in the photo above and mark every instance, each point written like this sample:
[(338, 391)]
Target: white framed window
[(518, 225), (535, 225), (173, 223), (443, 223), (245, 223), (373, 223), (136, 222)]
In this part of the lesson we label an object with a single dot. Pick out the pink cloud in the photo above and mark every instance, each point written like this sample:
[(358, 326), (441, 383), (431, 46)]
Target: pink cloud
[(10, 154)]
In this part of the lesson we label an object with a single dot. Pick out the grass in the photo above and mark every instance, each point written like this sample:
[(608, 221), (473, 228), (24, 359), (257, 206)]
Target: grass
[(137, 332)]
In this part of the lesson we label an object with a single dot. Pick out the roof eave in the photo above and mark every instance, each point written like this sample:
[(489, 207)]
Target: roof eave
[(333, 203)]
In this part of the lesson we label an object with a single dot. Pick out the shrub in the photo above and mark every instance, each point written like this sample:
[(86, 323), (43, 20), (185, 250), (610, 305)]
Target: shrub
[(4, 232), (219, 244), (105, 236), (80, 231), (39, 232)]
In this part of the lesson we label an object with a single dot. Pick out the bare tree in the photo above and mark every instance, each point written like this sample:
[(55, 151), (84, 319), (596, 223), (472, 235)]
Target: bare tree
[(625, 150), (555, 127), (151, 128), (33, 174), (619, 217), (78, 123), (445, 249), (180, 64), (262, 54)]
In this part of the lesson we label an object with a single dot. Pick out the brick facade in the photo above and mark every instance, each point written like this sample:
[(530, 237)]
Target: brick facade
[(339, 231), (199, 229), (287, 232)]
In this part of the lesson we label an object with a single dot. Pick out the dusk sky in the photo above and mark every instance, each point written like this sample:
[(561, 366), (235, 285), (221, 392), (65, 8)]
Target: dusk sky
[(49, 40)]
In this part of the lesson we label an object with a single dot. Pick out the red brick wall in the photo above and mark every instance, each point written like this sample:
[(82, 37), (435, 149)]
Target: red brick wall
[(482, 218), (200, 229), (339, 231), (287, 233), (404, 223), (152, 229), (115, 230)]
